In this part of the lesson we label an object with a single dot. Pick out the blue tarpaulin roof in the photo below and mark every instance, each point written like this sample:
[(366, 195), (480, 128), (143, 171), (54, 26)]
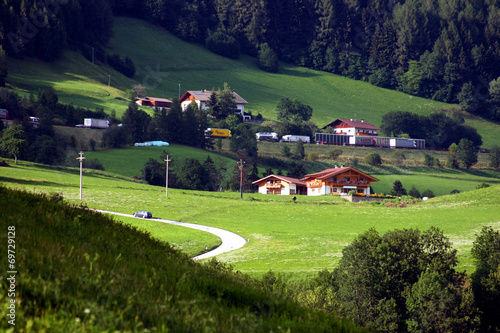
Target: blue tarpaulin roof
[(151, 143)]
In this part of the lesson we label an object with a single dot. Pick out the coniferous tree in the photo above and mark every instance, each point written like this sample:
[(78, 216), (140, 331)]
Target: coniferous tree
[(398, 189), (3, 67), (467, 153)]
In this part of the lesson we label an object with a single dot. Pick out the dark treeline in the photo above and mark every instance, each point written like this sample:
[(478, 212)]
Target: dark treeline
[(444, 50), (44, 29)]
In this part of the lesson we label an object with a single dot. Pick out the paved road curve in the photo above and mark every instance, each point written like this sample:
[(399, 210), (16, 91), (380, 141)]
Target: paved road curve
[(230, 240)]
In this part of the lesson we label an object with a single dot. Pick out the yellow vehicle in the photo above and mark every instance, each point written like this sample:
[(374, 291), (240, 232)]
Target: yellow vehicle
[(218, 133)]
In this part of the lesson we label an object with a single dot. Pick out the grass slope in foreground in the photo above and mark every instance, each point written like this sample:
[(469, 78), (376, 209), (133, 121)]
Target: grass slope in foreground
[(79, 271), (298, 238)]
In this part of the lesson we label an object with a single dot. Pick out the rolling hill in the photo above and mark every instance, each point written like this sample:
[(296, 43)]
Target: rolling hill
[(167, 65)]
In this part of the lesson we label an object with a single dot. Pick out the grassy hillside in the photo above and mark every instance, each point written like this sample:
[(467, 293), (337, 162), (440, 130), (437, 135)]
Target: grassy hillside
[(164, 62), (298, 238), (79, 271), (130, 161)]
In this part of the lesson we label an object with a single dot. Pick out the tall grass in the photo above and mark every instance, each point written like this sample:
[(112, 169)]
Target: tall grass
[(80, 271)]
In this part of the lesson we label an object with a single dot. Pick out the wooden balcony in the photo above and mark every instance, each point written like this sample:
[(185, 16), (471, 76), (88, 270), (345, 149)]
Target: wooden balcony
[(273, 185)]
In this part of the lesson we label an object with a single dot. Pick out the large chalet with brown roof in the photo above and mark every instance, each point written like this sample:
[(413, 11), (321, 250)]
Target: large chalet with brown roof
[(275, 184), (338, 181), (201, 97), (335, 181), (353, 127)]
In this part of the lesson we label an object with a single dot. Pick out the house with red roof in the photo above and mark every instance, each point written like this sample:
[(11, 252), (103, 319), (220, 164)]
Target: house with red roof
[(353, 127), (154, 102), (275, 184), (201, 97), (339, 181)]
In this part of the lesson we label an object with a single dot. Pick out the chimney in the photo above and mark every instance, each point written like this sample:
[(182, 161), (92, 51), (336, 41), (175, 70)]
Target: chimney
[(362, 120), (336, 166), (351, 119)]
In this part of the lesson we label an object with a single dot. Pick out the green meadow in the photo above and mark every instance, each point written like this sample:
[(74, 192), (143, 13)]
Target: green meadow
[(295, 238), (173, 65), (129, 162)]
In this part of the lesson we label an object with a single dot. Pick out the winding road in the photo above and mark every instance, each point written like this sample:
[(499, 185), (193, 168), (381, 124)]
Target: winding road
[(230, 240)]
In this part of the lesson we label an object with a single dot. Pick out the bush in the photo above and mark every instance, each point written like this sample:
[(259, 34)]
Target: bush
[(268, 60), (482, 185), (354, 160), (455, 191), (222, 43), (428, 193), (414, 192), (94, 164), (429, 160), (335, 153), (373, 159), (313, 156)]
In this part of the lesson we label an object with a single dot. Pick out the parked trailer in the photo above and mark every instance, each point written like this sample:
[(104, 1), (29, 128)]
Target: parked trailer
[(296, 138), (4, 114), (362, 140), (407, 143), (221, 133), (370, 141), (96, 123), (273, 137)]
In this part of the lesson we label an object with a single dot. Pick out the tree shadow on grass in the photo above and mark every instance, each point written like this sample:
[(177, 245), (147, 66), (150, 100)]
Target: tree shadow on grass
[(32, 182)]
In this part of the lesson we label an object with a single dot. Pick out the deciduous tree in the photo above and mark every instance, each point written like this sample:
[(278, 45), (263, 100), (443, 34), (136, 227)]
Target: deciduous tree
[(13, 141)]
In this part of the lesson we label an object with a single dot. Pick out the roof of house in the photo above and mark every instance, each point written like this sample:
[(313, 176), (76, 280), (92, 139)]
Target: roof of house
[(158, 99), (335, 171), (204, 95), (354, 123), (289, 180)]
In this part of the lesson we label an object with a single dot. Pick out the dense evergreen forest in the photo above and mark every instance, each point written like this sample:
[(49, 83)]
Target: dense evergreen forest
[(447, 50)]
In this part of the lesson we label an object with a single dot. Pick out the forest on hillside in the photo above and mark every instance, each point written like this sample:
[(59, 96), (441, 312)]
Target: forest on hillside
[(447, 50)]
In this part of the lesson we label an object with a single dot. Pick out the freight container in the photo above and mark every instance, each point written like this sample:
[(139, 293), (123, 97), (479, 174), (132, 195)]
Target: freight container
[(273, 137), (331, 139), (96, 123), (296, 138)]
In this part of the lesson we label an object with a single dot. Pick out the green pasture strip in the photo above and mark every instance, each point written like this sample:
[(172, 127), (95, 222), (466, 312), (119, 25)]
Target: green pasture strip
[(441, 181), (298, 238), (130, 161), (79, 271), (173, 62)]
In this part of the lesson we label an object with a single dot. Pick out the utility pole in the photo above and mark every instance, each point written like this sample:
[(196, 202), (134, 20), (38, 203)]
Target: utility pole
[(93, 63), (240, 166), (81, 158), (109, 80), (166, 177), (179, 90)]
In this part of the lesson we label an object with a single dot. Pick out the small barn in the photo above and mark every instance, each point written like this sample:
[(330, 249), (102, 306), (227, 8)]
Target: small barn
[(154, 102), (275, 184)]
